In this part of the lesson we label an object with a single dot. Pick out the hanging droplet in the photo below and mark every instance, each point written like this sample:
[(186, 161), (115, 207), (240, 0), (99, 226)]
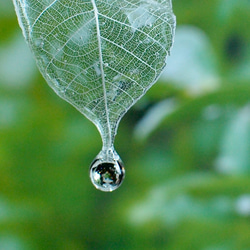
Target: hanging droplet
[(107, 171), (98, 80)]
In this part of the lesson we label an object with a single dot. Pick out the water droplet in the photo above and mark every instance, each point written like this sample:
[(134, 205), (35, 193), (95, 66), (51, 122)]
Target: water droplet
[(39, 43), (56, 83), (166, 18), (107, 171), (63, 90)]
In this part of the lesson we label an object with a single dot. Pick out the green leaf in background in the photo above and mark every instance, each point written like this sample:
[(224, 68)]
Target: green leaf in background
[(100, 56), (192, 65)]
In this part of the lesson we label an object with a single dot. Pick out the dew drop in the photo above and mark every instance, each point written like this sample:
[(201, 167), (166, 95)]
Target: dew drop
[(107, 171), (166, 18), (63, 90)]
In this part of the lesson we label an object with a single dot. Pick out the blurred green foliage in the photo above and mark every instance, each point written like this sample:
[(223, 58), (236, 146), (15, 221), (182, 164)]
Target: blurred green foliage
[(186, 147)]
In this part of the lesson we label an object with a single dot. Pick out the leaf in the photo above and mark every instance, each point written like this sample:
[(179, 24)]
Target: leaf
[(199, 196), (100, 56), (234, 149), (193, 66)]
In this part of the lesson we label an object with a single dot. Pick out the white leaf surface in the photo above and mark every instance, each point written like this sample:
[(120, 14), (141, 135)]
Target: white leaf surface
[(99, 55)]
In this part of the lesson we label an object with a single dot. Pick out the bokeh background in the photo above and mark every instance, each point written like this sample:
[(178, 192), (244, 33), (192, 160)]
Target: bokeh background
[(185, 145)]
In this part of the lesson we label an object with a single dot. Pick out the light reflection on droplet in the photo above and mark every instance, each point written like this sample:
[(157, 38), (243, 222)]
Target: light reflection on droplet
[(107, 174)]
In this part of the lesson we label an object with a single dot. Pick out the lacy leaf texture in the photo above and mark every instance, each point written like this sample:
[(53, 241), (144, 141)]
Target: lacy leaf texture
[(99, 55)]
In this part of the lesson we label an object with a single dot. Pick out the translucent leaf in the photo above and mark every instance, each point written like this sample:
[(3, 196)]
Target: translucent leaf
[(100, 56)]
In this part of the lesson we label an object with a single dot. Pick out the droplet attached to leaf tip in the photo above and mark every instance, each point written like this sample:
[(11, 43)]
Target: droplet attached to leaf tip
[(100, 72), (107, 175)]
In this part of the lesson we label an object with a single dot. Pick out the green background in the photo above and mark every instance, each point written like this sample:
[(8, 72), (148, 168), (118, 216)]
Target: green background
[(185, 146)]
